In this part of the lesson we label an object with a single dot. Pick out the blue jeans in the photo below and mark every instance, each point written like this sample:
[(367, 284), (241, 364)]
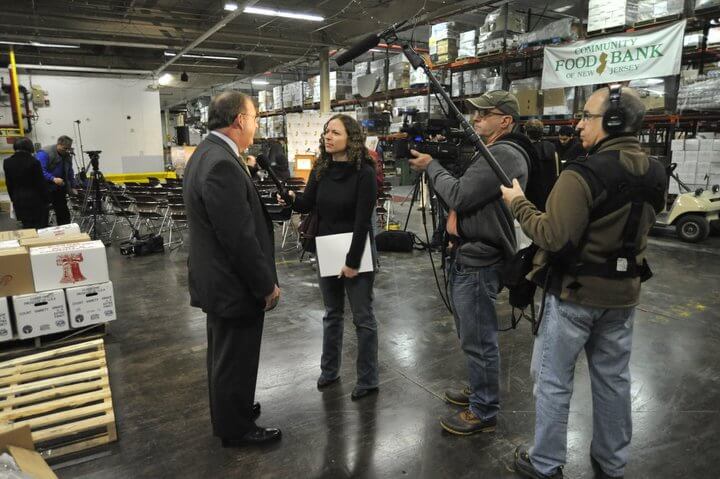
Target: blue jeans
[(606, 336), (360, 295), (472, 292)]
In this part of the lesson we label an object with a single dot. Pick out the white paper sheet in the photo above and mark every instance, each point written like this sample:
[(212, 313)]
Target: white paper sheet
[(332, 250)]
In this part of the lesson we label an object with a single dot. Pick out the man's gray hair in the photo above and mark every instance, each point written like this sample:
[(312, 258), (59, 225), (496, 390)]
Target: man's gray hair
[(65, 140), (633, 107), (225, 107)]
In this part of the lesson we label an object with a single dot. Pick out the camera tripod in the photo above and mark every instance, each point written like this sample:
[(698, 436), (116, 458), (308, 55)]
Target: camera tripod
[(92, 207)]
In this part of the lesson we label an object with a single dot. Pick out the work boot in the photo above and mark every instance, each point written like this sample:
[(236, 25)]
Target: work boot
[(465, 423), (524, 467), (459, 397), (599, 473)]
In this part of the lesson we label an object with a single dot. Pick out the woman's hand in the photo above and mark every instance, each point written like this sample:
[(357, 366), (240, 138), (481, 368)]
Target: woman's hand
[(282, 202), (348, 272)]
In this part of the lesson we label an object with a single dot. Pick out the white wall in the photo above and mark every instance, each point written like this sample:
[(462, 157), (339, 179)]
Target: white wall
[(103, 105)]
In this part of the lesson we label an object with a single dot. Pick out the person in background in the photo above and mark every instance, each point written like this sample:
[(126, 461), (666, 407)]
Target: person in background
[(342, 190), (568, 146), (26, 185), (277, 159), (546, 170), (56, 161)]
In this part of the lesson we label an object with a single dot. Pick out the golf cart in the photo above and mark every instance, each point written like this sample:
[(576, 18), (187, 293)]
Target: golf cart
[(693, 213)]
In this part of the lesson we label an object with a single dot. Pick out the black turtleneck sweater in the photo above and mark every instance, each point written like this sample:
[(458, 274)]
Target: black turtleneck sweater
[(344, 198)]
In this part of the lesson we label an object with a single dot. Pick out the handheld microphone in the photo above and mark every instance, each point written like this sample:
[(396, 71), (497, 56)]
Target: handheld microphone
[(262, 161)]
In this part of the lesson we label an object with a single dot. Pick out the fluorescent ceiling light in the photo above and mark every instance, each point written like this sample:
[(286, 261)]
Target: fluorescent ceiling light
[(38, 44), (205, 57), (563, 9), (260, 82), (165, 79), (280, 13), (231, 6)]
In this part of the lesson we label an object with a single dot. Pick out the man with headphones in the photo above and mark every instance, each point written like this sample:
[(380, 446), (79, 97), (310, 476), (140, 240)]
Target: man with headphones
[(482, 236), (590, 263)]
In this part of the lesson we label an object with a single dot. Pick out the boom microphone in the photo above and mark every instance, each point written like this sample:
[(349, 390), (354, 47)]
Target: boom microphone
[(265, 165), (371, 41)]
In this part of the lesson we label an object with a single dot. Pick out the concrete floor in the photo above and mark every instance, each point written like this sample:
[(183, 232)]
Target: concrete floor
[(156, 352)]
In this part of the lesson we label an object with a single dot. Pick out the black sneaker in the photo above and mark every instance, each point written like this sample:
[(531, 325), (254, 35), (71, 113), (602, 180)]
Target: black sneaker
[(599, 473), (465, 423), (524, 467), (459, 397)]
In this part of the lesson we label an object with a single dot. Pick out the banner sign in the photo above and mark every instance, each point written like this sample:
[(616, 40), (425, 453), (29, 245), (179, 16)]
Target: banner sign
[(623, 57)]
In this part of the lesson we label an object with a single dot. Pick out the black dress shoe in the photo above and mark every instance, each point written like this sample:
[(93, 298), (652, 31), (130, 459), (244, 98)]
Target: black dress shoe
[(361, 393), (323, 383), (260, 435), (256, 410)]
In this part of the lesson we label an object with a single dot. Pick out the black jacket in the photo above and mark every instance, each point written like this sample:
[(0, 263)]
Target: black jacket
[(232, 258), (26, 184), (570, 151)]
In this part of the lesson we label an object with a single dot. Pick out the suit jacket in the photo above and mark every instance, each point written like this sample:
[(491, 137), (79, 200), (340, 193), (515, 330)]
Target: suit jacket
[(232, 257), (25, 183)]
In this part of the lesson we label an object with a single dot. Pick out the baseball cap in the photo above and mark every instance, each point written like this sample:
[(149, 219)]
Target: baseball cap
[(500, 99)]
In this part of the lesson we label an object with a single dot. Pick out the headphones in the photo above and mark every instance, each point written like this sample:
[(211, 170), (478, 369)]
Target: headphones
[(613, 120)]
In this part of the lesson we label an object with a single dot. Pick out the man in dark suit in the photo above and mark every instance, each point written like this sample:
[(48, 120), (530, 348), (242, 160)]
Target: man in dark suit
[(231, 266)]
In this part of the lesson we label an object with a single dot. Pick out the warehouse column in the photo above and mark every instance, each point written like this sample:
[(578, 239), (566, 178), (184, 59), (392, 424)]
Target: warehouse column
[(324, 80)]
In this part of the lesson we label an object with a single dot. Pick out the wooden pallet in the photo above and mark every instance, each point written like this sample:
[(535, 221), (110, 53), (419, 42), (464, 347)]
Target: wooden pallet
[(606, 31), (19, 347), (63, 395), (657, 21)]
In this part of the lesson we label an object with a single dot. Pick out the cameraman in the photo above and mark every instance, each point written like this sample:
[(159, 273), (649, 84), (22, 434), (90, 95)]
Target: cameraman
[(474, 279), (591, 262)]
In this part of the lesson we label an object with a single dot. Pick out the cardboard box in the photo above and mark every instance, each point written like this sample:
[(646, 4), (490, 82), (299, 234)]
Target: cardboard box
[(5, 327), (529, 102), (91, 304), (15, 272), (9, 244), (19, 444), (677, 157), (75, 264), (18, 234), (692, 145), (36, 242), (55, 231), (677, 145), (38, 314), (706, 145)]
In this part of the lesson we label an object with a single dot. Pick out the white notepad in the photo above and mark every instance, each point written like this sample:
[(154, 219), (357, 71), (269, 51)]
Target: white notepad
[(332, 250)]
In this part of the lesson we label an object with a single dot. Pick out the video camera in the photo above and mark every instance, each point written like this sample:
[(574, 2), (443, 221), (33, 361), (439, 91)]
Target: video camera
[(439, 138), (94, 158)]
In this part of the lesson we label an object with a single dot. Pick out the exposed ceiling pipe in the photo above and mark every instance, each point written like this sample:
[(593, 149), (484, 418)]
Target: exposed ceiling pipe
[(85, 69), (149, 46), (218, 26)]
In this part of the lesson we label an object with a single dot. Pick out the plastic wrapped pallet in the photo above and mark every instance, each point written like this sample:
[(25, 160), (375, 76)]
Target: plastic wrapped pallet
[(652, 93), (607, 14), (565, 29), (527, 92), (703, 4), (468, 44), (700, 95), (457, 84), (496, 21), (558, 101)]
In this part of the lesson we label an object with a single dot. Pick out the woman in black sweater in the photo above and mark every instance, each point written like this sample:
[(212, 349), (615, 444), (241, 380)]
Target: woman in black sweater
[(342, 189), (26, 185)]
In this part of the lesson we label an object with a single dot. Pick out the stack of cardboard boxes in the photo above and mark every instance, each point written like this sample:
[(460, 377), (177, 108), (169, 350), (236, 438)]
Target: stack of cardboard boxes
[(651, 9), (51, 280), (698, 162), (443, 42), (609, 14)]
